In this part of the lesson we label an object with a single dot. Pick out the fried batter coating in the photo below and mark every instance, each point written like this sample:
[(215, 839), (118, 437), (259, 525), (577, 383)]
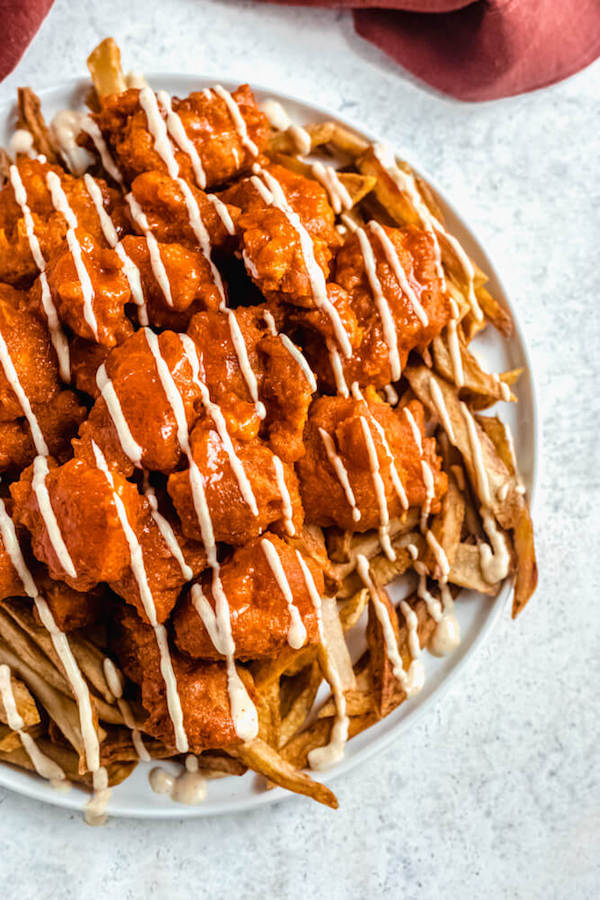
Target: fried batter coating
[(84, 507), (164, 204), (202, 689), (17, 265), (73, 609), (232, 518), (370, 362), (282, 384), (57, 411), (260, 616), (192, 285), (133, 372), (325, 501), (274, 258), (208, 124), (305, 196), (109, 292), (163, 571)]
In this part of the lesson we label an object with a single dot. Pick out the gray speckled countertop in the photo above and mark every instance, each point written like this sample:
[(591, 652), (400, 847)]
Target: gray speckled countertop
[(495, 792)]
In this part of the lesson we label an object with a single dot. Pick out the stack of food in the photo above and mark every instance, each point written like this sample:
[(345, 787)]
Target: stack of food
[(236, 400)]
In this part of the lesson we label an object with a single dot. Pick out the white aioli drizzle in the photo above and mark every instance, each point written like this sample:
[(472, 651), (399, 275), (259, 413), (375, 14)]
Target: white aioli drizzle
[(441, 408), (454, 346), (89, 126), (57, 335), (178, 133), (163, 147), (61, 204), (391, 394), (165, 528), (59, 641), (329, 178), (237, 119), (222, 212), (189, 787), (294, 351), (425, 469), (156, 263), (218, 625), (65, 128), (22, 143), (396, 480), (439, 553), (341, 471), (141, 577), (286, 502), (40, 489), (272, 192), (43, 765), (115, 684), (391, 255), (132, 273), (324, 757), (276, 114), (297, 630), (128, 443), (337, 369), (301, 139), (410, 681), (406, 184), (379, 486), (241, 351), (390, 333), (494, 561), (216, 414), (475, 444)]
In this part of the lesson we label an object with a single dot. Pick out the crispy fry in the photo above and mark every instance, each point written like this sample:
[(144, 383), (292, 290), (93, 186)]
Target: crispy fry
[(266, 761), (104, 64), (483, 388), (284, 142), (526, 570), (466, 571), (32, 120), (298, 699), (446, 527), (25, 704)]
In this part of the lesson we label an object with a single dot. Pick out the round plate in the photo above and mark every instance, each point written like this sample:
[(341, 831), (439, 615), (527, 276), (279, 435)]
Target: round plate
[(477, 614)]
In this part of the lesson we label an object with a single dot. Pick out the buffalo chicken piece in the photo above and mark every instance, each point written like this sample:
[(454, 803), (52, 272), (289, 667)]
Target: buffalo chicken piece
[(349, 429), (201, 686), (185, 283), (284, 383), (261, 620), (132, 374), (233, 518), (167, 210), (27, 349), (404, 286), (224, 147), (85, 544)]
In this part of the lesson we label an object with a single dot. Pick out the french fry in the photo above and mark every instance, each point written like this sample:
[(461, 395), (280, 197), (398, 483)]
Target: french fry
[(298, 700), (104, 64), (266, 761), (31, 119), (483, 388), (24, 702)]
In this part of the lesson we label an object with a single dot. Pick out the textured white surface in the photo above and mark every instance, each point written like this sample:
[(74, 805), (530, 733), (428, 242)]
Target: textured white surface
[(497, 792)]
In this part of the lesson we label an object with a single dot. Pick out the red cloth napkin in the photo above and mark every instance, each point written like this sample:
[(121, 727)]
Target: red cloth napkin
[(20, 20), (480, 49)]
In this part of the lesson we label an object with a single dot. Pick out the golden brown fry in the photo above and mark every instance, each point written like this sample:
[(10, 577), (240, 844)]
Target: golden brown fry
[(466, 571), (284, 141), (318, 735), (62, 710), (358, 703), (382, 676), (446, 527), (104, 64), (526, 570), (484, 388), (298, 699), (68, 761), (269, 719), (22, 645), (89, 659), (352, 609), (266, 761), (217, 763), (24, 702), (496, 314), (31, 119), (356, 185)]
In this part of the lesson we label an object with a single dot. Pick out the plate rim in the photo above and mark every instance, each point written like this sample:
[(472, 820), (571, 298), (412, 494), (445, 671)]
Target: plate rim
[(31, 787)]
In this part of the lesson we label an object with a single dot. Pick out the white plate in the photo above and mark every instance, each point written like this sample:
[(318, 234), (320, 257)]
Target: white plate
[(477, 614)]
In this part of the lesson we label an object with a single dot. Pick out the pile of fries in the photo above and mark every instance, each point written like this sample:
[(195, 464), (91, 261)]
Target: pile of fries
[(485, 497)]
